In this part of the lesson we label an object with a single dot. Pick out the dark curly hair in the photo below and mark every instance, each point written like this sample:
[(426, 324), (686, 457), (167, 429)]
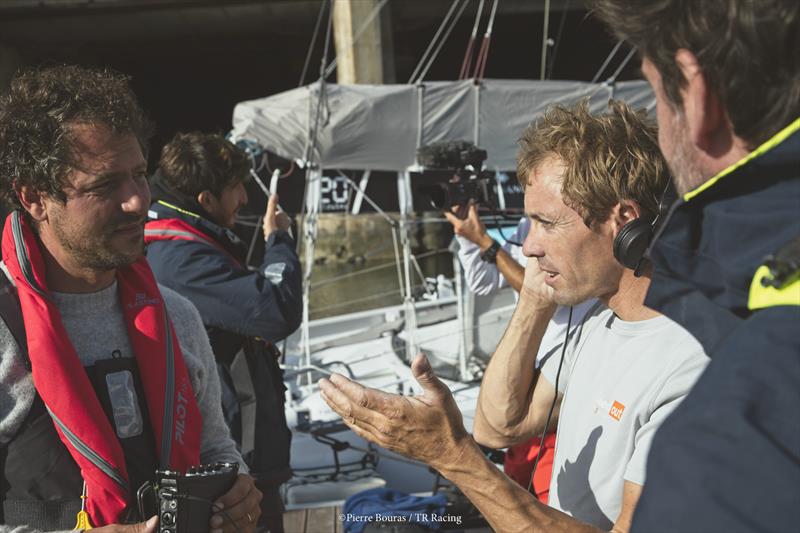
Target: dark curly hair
[(195, 162), (38, 114)]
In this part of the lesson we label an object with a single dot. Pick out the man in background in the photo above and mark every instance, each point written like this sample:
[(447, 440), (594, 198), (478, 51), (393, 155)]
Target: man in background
[(197, 192)]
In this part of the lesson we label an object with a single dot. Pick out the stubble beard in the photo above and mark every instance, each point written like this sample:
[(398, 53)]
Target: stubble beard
[(686, 173), (97, 253)]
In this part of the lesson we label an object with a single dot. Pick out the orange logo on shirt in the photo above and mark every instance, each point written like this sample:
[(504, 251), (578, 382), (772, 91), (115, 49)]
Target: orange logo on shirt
[(616, 410)]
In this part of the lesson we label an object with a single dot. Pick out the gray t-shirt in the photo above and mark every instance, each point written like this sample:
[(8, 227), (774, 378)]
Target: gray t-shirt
[(620, 380), (96, 327)]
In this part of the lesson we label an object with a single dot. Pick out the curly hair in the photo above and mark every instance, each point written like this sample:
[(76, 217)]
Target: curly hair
[(39, 112), (607, 158), (748, 51), (195, 162)]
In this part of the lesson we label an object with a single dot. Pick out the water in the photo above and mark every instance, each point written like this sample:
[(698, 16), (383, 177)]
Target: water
[(340, 288)]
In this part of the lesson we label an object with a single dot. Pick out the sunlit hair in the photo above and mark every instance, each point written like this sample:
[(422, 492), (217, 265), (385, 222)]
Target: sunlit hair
[(607, 158)]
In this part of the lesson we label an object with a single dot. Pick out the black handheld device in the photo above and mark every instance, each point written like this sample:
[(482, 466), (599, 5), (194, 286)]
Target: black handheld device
[(469, 181), (184, 502)]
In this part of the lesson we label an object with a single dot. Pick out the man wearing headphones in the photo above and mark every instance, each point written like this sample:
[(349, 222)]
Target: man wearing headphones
[(489, 267), (612, 382)]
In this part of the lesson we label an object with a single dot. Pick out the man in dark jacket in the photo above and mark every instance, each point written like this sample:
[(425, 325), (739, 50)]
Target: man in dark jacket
[(197, 192), (726, 76)]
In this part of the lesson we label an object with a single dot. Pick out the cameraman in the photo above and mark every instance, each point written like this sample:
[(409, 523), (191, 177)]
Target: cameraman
[(488, 267)]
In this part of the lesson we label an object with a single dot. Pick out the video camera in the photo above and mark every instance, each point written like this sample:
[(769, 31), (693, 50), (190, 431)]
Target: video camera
[(183, 502), (469, 181)]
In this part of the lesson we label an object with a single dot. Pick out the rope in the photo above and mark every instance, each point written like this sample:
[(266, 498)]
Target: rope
[(441, 42), (467, 62), (332, 66), (282, 175), (433, 41)]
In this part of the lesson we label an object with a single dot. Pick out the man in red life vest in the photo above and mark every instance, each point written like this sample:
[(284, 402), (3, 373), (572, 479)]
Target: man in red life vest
[(110, 376)]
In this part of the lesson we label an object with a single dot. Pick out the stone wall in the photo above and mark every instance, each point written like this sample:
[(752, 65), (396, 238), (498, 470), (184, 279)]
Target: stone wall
[(343, 238)]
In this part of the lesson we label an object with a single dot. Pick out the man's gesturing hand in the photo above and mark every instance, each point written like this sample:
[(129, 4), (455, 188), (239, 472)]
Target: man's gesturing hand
[(274, 219), (470, 226), (428, 428), (238, 509)]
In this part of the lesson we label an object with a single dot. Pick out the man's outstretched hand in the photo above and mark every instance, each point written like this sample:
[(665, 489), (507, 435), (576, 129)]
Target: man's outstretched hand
[(428, 428)]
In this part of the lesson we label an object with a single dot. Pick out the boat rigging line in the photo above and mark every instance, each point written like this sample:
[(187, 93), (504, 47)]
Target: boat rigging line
[(311, 44), (441, 42), (424, 58), (394, 224), (607, 61), (467, 62), (552, 62), (311, 191), (622, 65), (483, 54)]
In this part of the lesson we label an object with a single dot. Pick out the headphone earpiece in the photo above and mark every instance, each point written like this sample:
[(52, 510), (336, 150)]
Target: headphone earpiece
[(632, 241)]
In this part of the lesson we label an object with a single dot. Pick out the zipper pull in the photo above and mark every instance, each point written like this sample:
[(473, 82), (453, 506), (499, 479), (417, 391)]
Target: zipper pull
[(83, 523)]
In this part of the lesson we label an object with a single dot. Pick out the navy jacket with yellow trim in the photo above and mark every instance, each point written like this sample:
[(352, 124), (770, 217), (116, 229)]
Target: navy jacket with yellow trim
[(241, 309), (728, 459)]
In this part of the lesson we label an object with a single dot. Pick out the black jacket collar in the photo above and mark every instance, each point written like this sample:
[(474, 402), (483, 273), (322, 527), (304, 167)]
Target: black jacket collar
[(719, 234), (169, 203)]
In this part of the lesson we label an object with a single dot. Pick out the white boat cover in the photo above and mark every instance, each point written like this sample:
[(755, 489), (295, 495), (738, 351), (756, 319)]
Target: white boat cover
[(380, 127)]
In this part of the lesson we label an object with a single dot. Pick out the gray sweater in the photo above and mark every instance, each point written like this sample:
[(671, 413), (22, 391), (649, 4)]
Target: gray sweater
[(95, 325)]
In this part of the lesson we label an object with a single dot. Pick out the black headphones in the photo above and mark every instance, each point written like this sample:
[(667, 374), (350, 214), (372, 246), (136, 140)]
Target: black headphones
[(633, 240)]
